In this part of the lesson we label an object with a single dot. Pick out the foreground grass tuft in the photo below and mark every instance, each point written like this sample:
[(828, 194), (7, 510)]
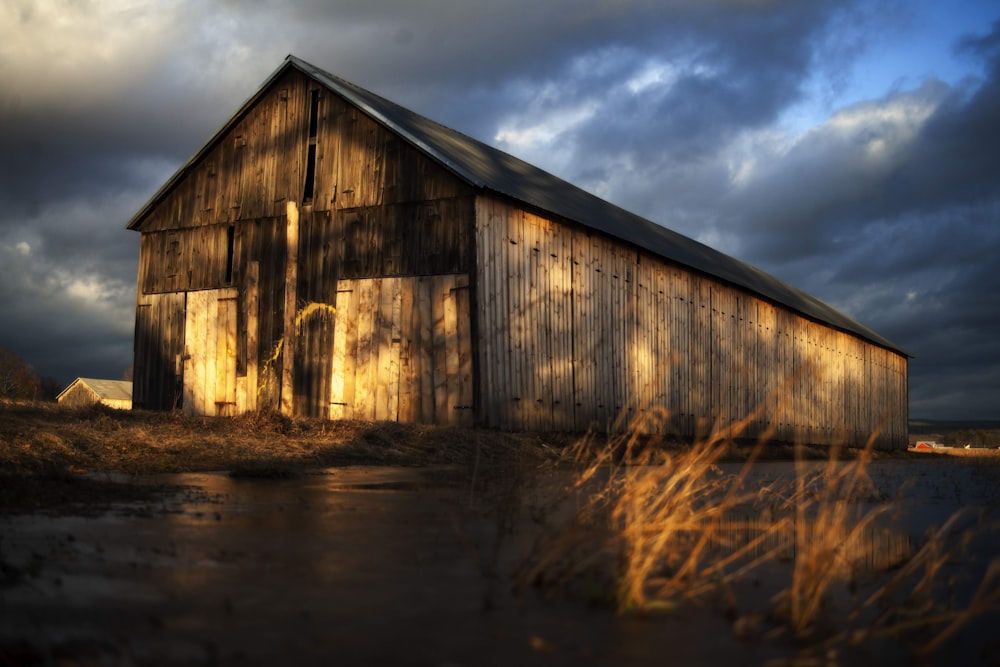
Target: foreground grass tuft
[(813, 558)]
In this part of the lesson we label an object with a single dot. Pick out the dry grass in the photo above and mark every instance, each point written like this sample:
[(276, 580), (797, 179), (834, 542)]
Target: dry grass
[(35, 438), (656, 524), (45, 450), (659, 528)]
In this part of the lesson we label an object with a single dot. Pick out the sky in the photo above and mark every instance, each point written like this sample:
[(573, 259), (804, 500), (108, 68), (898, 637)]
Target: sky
[(849, 147)]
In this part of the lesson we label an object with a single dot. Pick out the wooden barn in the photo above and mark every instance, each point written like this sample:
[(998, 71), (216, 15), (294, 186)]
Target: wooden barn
[(84, 392), (330, 253)]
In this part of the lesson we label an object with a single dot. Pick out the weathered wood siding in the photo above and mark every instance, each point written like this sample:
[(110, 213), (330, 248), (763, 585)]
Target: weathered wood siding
[(193, 258), (158, 349), (367, 206), (209, 372), (252, 171), (577, 330), (79, 396), (403, 350)]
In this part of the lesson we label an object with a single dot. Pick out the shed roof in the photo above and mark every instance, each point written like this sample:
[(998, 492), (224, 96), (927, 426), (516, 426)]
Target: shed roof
[(115, 390), (488, 168)]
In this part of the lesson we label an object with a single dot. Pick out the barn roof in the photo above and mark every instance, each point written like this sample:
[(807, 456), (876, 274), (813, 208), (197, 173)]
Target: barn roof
[(115, 390), (491, 169)]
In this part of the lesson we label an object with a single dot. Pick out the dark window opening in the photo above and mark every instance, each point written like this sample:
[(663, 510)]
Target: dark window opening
[(313, 113), (230, 246), (308, 190)]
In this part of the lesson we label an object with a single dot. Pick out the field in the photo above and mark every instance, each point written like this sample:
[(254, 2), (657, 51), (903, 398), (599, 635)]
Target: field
[(150, 538)]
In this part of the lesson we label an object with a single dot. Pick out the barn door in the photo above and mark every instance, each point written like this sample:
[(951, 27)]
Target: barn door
[(403, 350), (210, 353)]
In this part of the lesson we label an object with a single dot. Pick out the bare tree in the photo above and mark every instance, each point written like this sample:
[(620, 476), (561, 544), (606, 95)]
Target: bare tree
[(17, 377)]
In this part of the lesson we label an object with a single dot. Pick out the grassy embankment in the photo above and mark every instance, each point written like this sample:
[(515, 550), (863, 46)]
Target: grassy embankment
[(44, 438), (45, 449)]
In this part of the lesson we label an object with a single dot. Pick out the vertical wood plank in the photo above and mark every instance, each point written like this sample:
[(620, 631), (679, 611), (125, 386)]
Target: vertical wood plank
[(338, 405), (503, 324), (192, 370), (425, 348), (351, 290), (252, 304), (465, 415), (217, 357), (205, 339), (366, 376), (408, 380), (452, 379), (221, 358), (395, 346), (383, 351), (487, 291), (290, 306), (439, 295)]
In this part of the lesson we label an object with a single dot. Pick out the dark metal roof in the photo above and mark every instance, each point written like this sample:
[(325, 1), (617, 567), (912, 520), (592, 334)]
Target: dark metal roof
[(489, 168)]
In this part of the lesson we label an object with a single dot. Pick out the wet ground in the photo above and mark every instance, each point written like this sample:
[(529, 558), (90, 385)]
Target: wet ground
[(372, 566)]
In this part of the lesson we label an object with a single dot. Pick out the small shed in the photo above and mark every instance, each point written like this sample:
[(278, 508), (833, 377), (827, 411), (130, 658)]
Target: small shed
[(83, 392)]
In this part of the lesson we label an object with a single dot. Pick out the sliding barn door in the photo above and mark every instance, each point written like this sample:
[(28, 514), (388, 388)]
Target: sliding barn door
[(210, 353), (403, 350)]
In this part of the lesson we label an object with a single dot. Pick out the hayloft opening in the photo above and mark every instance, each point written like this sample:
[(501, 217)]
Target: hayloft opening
[(308, 189), (313, 113), (230, 247)]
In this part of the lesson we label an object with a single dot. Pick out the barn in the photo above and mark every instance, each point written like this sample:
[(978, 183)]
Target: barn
[(329, 253), (84, 392)]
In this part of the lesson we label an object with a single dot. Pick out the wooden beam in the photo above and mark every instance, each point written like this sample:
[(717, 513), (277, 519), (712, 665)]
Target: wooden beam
[(253, 353), (291, 276)]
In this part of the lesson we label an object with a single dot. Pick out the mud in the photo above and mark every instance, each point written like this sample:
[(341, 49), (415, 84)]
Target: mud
[(375, 566)]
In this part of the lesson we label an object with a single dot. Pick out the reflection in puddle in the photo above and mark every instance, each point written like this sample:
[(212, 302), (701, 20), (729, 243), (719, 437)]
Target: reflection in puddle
[(348, 565), (870, 549)]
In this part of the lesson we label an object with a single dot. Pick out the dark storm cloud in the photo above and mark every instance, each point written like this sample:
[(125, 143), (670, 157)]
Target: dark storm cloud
[(470, 64), (891, 211), (958, 156), (920, 151)]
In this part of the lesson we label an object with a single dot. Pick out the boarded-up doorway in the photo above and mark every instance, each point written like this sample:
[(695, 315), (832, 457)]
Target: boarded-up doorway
[(210, 353), (403, 350)]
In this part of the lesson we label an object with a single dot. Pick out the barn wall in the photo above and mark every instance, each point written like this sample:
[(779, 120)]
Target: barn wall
[(158, 348), (250, 172), (262, 162), (403, 350), (79, 396), (576, 330), (366, 206)]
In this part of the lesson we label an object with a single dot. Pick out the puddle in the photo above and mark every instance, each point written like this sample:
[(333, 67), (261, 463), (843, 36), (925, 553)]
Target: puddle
[(353, 565)]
